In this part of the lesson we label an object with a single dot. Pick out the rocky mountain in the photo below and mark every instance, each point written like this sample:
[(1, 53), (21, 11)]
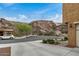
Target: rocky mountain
[(5, 24), (42, 27)]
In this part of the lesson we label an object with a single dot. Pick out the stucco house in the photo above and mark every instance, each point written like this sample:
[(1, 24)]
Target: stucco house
[(5, 27), (71, 19)]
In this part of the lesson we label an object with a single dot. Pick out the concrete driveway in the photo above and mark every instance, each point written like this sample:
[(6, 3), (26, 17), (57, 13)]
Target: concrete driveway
[(35, 48)]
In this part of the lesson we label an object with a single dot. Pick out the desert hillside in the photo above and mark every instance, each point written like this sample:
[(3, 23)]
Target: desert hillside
[(43, 27)]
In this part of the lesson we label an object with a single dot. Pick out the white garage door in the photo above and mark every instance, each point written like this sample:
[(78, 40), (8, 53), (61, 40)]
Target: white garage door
[(77, 35)]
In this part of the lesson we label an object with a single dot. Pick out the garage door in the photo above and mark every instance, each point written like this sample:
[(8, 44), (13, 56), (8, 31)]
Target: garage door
[(77, 35)]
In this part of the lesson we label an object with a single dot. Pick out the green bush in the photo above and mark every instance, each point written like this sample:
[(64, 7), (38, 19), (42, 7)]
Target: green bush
[(62, 39), (56, 43), (50, 41), (44, 41), (65, 39)]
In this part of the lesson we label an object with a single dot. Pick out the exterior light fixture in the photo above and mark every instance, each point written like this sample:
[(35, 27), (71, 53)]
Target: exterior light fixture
[(70, 25)]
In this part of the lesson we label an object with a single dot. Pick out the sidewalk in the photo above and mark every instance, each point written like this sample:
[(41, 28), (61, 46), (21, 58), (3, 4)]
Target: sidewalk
[(36, 48)]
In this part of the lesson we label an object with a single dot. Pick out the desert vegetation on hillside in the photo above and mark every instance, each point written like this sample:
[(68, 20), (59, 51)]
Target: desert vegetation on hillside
[(22, 29)]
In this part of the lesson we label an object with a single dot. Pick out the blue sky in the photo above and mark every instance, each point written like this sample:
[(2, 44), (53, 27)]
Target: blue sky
[(27, 12)]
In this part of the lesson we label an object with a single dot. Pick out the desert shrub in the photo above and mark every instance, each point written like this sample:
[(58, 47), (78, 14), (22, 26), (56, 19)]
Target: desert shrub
[(65, 38), (62, 39), (50, 41), (56, 43), (44, 41)]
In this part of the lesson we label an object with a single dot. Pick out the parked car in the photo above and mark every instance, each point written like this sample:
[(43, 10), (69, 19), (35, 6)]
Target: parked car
[(7, 37)]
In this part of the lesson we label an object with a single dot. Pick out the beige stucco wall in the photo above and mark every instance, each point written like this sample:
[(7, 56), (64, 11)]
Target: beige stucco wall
[(71, 15)]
